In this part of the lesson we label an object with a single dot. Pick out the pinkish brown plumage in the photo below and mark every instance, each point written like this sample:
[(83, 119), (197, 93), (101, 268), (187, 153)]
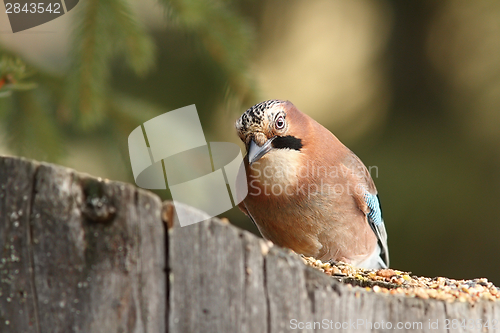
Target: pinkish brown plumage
[(307, 191)]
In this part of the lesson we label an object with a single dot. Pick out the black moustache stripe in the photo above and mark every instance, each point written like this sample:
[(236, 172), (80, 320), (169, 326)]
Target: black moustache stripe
[(289, 141)]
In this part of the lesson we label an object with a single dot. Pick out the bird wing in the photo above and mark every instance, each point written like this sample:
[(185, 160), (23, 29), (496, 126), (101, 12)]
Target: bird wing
[(369, 203), (376, 222)]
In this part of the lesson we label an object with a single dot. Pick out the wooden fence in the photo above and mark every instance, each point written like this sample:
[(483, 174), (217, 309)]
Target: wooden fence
[(80, 254)]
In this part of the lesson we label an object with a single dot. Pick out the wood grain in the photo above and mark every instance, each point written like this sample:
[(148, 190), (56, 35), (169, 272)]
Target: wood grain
[(91, 253), (80, 254)]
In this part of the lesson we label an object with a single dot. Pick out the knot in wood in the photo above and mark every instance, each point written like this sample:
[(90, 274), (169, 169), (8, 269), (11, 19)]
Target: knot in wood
[(97, 204)]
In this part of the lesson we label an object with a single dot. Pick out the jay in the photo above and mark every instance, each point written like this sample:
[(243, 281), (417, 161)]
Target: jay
[(307, 191)]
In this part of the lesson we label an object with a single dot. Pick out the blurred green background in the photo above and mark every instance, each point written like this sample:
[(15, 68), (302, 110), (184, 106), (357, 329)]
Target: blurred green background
[(412, 87)]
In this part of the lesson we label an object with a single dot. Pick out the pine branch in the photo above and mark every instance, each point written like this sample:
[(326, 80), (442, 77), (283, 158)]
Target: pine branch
[(30, 127), (138, 46), (13, 71), (225, 35), (105, 29)]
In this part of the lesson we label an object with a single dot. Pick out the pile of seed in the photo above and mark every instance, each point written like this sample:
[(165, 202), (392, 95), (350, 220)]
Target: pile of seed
[(395, 282)]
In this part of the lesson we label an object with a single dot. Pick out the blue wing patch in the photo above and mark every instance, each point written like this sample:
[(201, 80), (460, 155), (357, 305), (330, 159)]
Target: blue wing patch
[(375, 214), (377, 224)]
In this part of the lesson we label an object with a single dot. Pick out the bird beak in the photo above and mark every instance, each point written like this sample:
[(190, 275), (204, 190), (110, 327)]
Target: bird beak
[(255, 152)]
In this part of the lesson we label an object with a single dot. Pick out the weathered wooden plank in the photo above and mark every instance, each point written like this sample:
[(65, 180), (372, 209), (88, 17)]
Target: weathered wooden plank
[(79, 254), (284, 295), (152, 262), (255, 312), (465, 317), (98, 254), (216, 279), (17, 294), (286, 291)]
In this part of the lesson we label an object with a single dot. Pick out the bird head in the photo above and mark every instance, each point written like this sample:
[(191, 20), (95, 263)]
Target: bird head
[(267, 126)]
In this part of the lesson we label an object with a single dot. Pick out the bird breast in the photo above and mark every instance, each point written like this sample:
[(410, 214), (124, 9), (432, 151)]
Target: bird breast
[(278, 170)]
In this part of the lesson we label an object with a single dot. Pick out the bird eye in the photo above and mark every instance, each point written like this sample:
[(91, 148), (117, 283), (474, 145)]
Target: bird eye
[(280, 122)]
